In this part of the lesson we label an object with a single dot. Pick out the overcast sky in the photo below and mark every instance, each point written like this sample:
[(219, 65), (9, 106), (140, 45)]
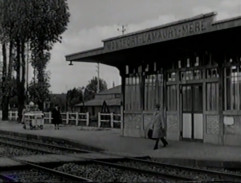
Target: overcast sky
[(92, 21)]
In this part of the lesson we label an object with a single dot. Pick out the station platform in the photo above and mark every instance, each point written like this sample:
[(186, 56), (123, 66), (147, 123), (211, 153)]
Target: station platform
[(111, 141)]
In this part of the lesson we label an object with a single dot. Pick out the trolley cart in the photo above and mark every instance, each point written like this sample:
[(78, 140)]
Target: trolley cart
[(33, 120)]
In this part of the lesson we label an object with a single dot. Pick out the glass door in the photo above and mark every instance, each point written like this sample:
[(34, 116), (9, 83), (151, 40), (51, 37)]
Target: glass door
[(192, 112)]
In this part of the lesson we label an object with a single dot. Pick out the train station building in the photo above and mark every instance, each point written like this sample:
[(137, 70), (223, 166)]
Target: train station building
[(191, 68)]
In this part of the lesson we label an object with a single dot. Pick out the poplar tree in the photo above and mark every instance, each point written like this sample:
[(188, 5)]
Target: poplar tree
[(50, 21), (8, 21), (38, 23)]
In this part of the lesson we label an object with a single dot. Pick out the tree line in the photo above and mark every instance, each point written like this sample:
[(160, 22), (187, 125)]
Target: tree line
[(28, 31), (83, 94)]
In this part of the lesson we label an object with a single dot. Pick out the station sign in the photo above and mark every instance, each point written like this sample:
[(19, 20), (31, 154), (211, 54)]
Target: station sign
[(160, 34)]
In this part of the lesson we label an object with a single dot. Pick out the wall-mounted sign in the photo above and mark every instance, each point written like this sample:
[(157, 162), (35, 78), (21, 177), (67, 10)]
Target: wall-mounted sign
[(163, 33), (227, 120)]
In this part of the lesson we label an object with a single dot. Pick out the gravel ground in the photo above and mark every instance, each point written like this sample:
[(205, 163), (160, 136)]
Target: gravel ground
[(101, 173)]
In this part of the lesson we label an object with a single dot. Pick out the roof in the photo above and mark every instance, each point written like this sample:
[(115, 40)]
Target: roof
[(201, 16), (99, 102), (114, 90), (118, 51), (110, 101)]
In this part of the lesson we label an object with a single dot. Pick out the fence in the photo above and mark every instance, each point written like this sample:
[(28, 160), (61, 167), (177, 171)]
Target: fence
[(109, 119), (75, 118), (72, 118), (13, 115)]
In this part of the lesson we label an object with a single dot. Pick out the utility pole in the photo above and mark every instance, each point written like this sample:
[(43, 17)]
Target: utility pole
[(122, 29), (1, 66), (98, 77), (27, 73)]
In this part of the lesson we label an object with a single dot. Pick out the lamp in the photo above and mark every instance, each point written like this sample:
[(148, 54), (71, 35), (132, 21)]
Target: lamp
[(70, 63)]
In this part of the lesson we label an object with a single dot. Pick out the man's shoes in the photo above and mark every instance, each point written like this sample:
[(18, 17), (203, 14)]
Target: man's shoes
[(164, 145), (155, 148)]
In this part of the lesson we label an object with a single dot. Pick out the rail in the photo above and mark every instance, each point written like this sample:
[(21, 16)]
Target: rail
[(74, 118)]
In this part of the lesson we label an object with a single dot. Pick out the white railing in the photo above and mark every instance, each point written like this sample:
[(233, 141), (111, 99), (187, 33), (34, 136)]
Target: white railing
[(47, 117), (109, 119), (13, 115), (67, 118), (75, 118)]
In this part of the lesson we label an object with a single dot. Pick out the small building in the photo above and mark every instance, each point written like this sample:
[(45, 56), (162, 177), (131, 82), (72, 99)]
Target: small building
[(191, 67), (107, 100)]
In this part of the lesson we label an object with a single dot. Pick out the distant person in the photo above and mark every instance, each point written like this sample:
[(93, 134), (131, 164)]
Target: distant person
[(56, 117), (37, 108), (23, 120), (23, 117), (158, 124)]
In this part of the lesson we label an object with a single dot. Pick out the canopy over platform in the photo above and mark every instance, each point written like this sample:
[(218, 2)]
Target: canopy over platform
[(197, 33)]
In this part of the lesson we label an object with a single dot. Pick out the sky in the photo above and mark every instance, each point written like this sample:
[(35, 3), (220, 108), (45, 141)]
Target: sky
[(92, 21)]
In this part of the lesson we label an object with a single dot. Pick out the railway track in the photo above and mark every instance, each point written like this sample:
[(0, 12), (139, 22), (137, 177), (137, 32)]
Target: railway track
[(135, 172), (149, 171), (134, 169), (197, 174), (36, 173), (100, 171), (34, 146), (88, 171)]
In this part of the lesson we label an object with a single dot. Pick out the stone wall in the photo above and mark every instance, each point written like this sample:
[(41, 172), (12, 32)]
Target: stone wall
[(147, 122), (173, 130), (133, 125), (212, 125), (232, 130), (213, 130)]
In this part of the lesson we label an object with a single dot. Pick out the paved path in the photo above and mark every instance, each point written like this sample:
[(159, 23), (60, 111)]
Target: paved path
[(111, 140)]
